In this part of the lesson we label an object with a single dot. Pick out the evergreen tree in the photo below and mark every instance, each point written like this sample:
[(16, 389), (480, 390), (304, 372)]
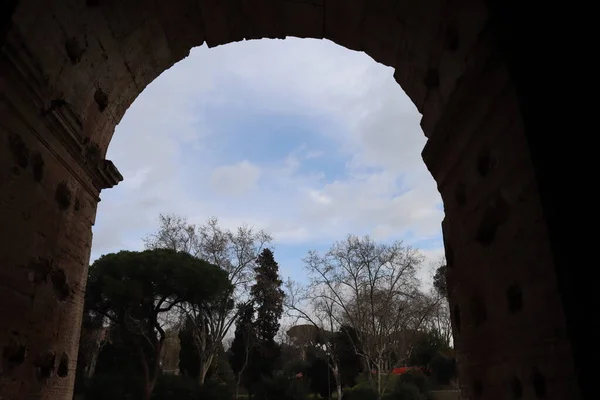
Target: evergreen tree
[(268, 299), (439, 281), (189, 359), (242, 347), (267, 296)]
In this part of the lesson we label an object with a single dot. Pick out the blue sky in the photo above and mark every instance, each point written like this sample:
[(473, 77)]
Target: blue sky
[(303, 138)]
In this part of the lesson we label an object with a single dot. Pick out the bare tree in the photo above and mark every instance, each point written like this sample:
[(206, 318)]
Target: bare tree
[(234, 252), (322, 317), (374, 289)]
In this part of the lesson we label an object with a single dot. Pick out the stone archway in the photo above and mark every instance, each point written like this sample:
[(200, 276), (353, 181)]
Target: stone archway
[(70, 69)]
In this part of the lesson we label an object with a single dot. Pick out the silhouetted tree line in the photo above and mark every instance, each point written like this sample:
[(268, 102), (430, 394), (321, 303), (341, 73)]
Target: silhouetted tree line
[(192, 284)]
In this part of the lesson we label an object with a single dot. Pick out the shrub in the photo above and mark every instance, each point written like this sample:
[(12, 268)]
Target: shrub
[(177, 387), (123, 385), (362, 391), (443, 368), (415, 377), (280, 387), (405, 391)]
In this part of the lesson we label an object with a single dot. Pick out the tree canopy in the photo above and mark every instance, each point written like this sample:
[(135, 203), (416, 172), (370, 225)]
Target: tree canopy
[(134, 289)]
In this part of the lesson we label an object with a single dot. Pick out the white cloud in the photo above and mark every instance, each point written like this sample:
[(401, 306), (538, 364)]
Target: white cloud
[(235, 180), (386, 191)]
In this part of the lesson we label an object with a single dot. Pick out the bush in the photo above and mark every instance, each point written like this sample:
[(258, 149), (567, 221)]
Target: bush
[(123, 385), (294, 367), (280, 388), (177, 387), (415, 377), (405, 391), (362, 391), (443, 368)]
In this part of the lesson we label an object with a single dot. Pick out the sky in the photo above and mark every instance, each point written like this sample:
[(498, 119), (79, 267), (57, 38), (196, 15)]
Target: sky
[(300, 137)]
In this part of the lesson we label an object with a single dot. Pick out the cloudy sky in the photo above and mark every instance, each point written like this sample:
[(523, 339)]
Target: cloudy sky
[(303, 138)]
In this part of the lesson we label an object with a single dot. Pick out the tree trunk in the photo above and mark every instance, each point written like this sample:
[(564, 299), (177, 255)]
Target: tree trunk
[(204, 367), (379, 378), (93, 362), (338, 382)]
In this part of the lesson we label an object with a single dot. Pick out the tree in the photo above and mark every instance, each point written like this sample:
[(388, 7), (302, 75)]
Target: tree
[(324, 321), (267, 297), (243, 344), (135, 290), (234, 252), (372, 288), (439, 321), (439, 281), (345, 344), (189, 359)]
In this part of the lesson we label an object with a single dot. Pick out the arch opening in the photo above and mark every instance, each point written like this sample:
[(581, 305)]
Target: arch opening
[(69, 73)]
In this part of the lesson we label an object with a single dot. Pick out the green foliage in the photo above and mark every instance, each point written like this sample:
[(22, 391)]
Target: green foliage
[(350, 363), (118, 384), (322, 380), (132, 289), (294, 367), (189, 357), (414, 377), (362, 391), (267, 296), (174, 387), (243, 344), (426, 348), (117, 354), (280, 388), (439, 281), (129, 282), (443, 368), (254, 352), (405, 391), (268, 300), (220, 371)]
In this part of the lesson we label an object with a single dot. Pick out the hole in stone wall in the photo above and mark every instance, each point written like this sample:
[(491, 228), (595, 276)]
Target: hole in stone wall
[(514, 298), (478, 310), (19, 151), (74, 50), (495, 215), (516, 388), (457, 318), (92, 153), (44, 365), (63, 366), (13, 355), (59, 282), (101, 99), (38, 167), (460, 194), (63, 196), (539, 383), (77, 204)]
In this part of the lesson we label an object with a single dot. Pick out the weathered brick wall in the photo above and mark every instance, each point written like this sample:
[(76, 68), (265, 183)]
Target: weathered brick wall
[(70, 69), (508, 321), (49, 186)]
